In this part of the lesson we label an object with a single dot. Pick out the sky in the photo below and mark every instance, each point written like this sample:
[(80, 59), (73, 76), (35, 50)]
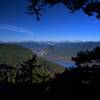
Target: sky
[(56, 24)]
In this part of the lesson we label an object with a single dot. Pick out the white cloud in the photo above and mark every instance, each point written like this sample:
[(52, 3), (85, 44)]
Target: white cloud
[(16, 29)]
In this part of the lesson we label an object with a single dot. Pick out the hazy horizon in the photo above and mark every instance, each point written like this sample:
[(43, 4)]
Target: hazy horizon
[(48, 41)]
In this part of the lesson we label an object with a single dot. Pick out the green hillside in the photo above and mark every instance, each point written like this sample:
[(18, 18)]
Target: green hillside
[(15, 55)]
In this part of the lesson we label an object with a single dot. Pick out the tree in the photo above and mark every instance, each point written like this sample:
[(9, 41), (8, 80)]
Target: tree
[(27, 70), (89, 7), (92, 57), (7, 73), (32, 72)]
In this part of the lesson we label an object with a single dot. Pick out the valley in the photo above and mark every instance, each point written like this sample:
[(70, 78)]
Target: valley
[(58, 52), (15, 55)]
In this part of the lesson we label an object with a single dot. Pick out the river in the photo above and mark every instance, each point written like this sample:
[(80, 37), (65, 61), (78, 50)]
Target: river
[(65, 63), (60, 61)]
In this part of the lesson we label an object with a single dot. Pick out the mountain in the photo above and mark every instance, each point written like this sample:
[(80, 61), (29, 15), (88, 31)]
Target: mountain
[(71, 48), (58, 50), (14, 55)]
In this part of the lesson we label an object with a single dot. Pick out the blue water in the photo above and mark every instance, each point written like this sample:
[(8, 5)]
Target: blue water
[(65, 63)]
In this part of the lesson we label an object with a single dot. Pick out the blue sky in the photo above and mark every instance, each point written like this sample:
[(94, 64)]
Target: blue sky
[(56, 24)]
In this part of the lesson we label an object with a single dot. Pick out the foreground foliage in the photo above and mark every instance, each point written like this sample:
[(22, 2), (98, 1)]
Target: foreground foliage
[(75, 83), (89, 7)]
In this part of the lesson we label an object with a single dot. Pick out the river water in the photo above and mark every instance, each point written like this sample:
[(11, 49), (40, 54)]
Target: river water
[(64, 63)]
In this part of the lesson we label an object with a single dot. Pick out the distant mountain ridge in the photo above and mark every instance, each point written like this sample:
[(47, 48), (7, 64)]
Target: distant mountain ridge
[(64, 48)]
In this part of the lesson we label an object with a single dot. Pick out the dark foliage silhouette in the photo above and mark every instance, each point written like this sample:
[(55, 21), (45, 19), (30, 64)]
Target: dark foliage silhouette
[(75, 83), (21, 83), (89, 7), (27, 68), (81, 82), (88, 56)]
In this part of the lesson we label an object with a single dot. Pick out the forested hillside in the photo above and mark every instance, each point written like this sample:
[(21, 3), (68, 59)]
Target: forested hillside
[(15, 55)]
